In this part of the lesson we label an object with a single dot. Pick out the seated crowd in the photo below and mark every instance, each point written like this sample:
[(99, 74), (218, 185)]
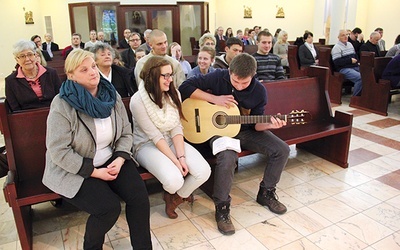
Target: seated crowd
[(103, 154)]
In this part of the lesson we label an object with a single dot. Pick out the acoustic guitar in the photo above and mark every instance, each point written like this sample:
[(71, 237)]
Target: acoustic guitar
[(205, 120)]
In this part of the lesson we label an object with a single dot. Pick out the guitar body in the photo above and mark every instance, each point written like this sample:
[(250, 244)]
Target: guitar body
[(205, 120)]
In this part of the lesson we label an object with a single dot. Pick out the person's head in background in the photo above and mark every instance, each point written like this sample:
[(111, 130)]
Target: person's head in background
[(205, 58), (100, 36), (48, 37), (93, 36), (158, 42), (264, 42), (228, 32), (234, 47), (239, 34), (103, 56), (207, 40), (282, 37), (117, 58), (139, 54), (175, 50), (40, 57), (37, 40)]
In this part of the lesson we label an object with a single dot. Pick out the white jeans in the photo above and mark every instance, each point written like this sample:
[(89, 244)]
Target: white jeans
[(169, 175)]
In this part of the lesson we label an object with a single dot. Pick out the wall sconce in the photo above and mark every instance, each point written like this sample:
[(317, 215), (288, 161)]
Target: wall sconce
[(280, 13), (28, 17), (247, 12)]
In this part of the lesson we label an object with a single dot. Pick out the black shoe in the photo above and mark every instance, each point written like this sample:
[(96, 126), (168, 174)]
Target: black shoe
[(223, 219), (269, 198)]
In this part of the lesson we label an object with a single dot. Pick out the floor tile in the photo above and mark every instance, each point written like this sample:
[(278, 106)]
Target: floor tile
[(361, 155), (305, 221), (274, 233), (334, 238), (178, 235), (242, 239), (332, 209), (386, 215), (390, 242), (385, 123), (365, 228), (357, 199)]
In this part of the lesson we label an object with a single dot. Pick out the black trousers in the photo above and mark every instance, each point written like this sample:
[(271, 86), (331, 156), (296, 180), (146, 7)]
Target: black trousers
[(101, 199)]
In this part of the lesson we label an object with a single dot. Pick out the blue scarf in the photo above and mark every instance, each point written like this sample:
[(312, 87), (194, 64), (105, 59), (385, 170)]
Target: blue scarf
[(80, 99)]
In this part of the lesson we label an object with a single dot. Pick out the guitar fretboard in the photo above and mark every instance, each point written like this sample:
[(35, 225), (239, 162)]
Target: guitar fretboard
[(252, 119)]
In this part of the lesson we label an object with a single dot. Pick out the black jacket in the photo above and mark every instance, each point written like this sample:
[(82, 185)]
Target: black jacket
[(20, 95), (123, 80)]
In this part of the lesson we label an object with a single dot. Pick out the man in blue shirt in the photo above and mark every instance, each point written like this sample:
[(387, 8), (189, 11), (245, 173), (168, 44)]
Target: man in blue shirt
[(238, 86)]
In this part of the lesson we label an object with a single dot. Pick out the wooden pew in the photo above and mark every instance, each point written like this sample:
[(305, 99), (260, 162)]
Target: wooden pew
[(57, 63), (194, 45), (326, 136), (294, 62), (336, 79), (375, 93), (250, 49), (24, 134)]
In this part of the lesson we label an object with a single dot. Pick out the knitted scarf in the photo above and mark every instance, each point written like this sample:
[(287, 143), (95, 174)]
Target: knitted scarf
[(164, 119), (79, 98)]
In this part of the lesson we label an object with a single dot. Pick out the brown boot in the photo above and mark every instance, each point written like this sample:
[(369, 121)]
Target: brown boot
[(189, 199), (224, 223), (171, 203)]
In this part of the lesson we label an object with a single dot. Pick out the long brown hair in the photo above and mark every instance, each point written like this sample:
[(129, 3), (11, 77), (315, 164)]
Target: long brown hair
[(150, 74)]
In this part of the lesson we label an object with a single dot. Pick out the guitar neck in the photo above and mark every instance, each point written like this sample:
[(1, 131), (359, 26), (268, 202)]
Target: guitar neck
[(252, 119)]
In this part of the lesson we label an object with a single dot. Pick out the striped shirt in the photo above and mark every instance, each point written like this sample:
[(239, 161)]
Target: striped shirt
[(269, 67), (342, 54)]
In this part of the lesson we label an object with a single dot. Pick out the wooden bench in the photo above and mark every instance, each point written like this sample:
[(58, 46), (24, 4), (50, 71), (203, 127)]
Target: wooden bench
[(336, 79), (375, 93), (326, 136), (57, 63), (250, 49), (24, 134), (294, 62)]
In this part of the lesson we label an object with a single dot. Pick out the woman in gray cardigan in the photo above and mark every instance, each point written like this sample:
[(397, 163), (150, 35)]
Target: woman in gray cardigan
[(88, 158)]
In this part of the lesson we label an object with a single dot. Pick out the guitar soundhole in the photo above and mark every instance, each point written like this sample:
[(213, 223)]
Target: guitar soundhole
[(219, 120)]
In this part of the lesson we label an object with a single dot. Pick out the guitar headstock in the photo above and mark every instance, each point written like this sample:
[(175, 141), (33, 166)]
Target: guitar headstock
[(298, 117)]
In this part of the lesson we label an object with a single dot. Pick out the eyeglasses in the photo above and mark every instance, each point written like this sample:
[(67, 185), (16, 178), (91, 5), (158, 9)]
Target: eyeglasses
[(24, 56), (134, 40), (209, 44), (167, 76)]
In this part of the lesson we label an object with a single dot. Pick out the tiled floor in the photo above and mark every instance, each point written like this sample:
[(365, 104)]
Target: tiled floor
[(328, 207)]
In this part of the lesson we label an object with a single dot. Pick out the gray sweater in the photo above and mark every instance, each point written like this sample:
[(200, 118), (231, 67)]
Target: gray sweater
[(71, 145)]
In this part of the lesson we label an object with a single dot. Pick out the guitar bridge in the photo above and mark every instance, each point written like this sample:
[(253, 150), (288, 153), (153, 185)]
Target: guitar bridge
[(197, 118)]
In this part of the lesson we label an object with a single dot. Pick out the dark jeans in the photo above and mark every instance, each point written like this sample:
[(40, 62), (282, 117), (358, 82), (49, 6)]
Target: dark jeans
[(264, 142), (101, 199)]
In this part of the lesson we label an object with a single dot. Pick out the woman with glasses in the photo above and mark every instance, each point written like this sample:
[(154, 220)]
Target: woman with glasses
[(158, 137), (207, 40), (89, 159), (31, 85)]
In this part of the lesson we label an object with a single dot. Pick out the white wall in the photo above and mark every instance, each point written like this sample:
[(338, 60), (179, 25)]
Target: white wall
[(299, 15)]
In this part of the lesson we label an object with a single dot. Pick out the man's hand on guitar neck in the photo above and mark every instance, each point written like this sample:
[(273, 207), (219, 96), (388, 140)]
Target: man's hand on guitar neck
[(275, 123), (225, 101)]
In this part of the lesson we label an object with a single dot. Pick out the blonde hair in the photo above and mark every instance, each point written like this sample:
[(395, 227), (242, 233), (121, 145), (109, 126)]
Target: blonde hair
[(207, 36), (40, 54), (280, 36), (75, 58)]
